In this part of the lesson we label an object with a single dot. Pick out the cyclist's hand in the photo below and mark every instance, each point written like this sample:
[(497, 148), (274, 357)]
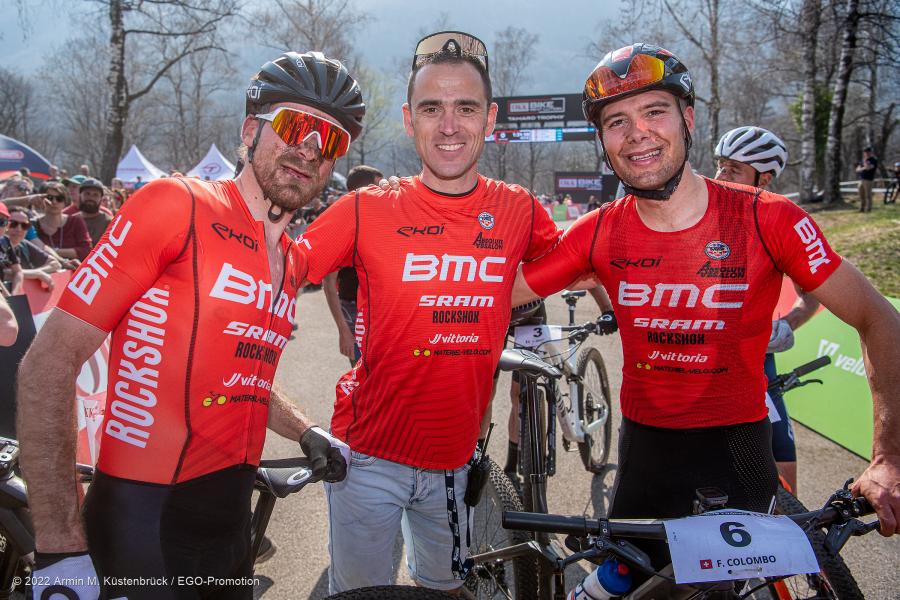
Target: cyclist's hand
[(782, 337), (328, 455), (391, 184), (69, 575), (347, 344), (880, 484), (606, 323)]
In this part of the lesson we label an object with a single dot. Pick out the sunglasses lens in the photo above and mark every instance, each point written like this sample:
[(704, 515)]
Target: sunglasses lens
[(3, 222), (642, 71), (461, 42), (293, 127)]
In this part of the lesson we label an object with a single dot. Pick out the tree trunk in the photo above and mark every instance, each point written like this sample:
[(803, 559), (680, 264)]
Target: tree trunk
[(810, 17), (715, 102), (839, 99), (118, 88)]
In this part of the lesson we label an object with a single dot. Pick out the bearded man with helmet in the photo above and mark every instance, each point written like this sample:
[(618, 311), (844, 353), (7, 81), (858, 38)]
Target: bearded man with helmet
[(695, 326), (183, 434)]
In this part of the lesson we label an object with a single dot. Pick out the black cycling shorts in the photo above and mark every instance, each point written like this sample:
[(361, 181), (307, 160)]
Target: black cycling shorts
[(660, 469), (783, 447), (186, 541)]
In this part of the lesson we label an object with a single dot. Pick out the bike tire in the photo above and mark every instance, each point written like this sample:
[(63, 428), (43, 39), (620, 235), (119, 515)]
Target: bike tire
[(834, 581), (594, 399), (388, 592), (515, 578), (529, 462)]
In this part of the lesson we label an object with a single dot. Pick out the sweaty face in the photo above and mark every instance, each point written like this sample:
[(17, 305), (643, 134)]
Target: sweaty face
[(289, 176), (448, 117), (643, 136), (89, 202), (735, 172)]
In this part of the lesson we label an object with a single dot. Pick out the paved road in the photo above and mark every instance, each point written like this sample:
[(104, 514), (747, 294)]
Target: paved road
[(309, 369)]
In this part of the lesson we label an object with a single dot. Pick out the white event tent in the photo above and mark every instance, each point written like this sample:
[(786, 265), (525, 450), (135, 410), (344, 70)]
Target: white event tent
[(213, 166), (136, 165)]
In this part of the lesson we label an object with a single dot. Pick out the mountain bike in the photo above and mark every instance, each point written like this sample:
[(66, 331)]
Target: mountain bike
[(274, 479), (582, 405), (835, 579)]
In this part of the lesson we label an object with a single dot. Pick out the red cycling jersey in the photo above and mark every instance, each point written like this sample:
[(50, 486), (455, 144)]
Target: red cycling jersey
[(181, 279), (694, 306), (435, 277)]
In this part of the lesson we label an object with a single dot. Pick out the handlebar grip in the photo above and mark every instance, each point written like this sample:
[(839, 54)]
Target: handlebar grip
[(527, 521), (812, 366)]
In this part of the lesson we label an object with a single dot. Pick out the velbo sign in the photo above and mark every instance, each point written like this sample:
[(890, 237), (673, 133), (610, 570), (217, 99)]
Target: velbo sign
[(733, 544)]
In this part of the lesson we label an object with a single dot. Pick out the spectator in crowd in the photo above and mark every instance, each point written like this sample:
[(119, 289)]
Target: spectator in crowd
[(85, 170), (72, 184), (67, 234), (10, 268), (97, 220), (9, 329), (139, 183), (865, 170), (592, 203), (35, 263), (53, 172), (16, 187), (890, 196), (340, 287)]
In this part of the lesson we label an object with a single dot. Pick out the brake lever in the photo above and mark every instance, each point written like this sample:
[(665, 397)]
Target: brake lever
[(807, 382), (838, 535)]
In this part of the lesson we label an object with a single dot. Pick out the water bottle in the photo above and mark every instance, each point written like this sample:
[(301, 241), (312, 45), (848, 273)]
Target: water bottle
[(609, 580)]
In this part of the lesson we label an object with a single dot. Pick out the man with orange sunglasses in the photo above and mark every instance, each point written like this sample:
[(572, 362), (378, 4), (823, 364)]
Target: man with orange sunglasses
[(695, 323), (196, 281)]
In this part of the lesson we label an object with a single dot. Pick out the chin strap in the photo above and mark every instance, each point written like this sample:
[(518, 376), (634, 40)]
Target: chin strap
[(670, 186), (272, 215)]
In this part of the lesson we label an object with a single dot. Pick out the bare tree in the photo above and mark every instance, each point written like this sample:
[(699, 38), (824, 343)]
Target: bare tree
[(809, 21), (16, 104), (380, 124), (183, 27), (301, 25), (838, 103)]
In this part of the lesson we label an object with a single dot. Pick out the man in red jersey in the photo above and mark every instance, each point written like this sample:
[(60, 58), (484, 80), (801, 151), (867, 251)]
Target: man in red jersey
[(694, 268), (435, 260), (196, 282)]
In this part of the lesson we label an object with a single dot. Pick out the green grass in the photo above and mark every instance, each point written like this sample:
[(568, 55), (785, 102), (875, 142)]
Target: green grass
[(870, 241)]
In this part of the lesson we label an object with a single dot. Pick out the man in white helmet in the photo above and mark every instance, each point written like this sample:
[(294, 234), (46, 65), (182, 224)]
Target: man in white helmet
[(756, 156)]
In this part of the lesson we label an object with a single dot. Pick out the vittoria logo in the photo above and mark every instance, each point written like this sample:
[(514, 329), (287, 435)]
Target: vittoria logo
[(486, 220), (717, 250)]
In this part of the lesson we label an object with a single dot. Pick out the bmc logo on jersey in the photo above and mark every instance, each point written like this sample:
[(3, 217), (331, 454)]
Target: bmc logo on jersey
[(236, 286), (685, 295), (425, 267), (815, 248), (486, 220), (89, 277)]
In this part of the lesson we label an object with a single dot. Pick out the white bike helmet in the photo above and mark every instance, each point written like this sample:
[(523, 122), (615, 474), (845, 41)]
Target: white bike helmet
[(758, 147)]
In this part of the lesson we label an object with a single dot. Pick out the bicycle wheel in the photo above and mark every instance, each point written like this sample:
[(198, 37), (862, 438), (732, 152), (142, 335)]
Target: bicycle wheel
[(400, 592), (833, 581), (508, 579), (594, 404), (529, 462)]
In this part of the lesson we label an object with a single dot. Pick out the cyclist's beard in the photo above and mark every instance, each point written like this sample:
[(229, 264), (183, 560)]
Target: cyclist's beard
[(278, 180)]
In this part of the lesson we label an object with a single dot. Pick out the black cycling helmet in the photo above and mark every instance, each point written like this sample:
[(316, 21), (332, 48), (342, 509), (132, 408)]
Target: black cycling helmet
[(312, 79), (633, 70)]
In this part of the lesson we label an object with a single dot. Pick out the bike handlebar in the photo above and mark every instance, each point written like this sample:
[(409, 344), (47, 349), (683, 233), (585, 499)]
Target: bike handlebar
[(811, 366)]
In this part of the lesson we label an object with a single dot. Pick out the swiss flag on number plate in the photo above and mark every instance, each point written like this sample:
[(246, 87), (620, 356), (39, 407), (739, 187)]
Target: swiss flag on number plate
[(706, 564)]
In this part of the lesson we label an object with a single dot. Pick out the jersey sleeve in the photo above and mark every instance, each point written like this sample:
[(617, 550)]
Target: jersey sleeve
[(544, 233), (567, 261), (327, 244), (796, 243), (143, 239)]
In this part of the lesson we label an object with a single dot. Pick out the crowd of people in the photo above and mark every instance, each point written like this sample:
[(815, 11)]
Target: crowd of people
[(441, 259)]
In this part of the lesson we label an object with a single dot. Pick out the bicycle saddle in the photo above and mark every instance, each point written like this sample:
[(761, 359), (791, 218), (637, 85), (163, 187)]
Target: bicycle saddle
[(575, 294), (528, 362), (284, 476)]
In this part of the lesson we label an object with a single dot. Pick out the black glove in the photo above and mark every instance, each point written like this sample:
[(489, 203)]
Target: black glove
[(326, 460), (606, 323)]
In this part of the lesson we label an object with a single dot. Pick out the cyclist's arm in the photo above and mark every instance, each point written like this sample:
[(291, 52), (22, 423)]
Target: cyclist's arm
[(9, 328), (47, 428), (878, 324), (285, 418), (327, 244), (803, 310), (15, 283), (601, 298), (329, 286)]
